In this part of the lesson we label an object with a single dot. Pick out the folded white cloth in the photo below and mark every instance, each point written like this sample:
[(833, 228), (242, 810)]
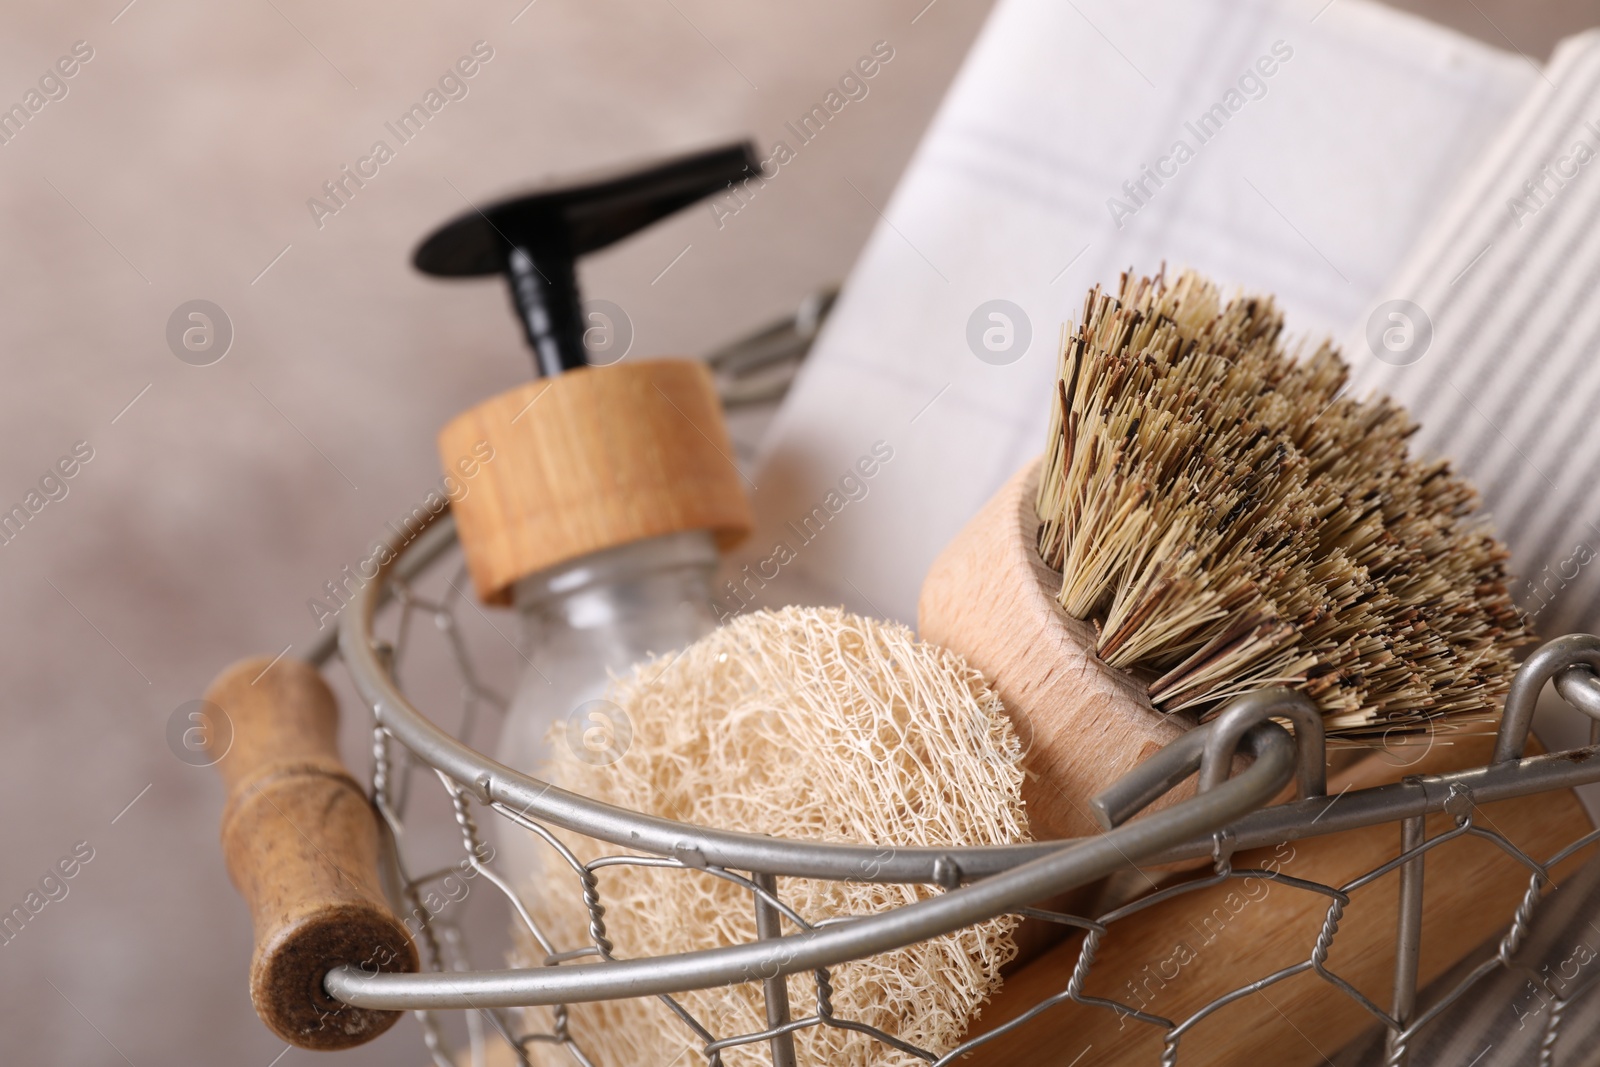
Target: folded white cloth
[(1508, 383), (1317, 142)]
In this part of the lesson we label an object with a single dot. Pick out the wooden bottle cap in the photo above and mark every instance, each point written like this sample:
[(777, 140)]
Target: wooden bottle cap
[(590, 459)]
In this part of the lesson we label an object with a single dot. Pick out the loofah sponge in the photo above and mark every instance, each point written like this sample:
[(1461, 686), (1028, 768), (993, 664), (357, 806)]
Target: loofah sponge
[(811, 724)]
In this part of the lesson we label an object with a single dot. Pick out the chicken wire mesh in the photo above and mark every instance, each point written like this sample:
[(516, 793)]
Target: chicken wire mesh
[(401, 754)]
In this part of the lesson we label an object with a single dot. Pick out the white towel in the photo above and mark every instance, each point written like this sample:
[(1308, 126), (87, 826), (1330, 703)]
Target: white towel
[(1509, 384), (1318, 183)]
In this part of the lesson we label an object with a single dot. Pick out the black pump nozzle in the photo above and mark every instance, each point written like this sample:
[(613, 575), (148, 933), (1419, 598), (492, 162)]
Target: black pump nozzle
[(536, 238)]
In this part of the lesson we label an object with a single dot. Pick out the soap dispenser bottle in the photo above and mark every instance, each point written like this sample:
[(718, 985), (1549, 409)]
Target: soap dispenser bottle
[(611, 489)]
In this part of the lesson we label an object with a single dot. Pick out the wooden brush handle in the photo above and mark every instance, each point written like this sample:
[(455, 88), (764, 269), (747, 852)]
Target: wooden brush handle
[(302, 845), (1178, 955)]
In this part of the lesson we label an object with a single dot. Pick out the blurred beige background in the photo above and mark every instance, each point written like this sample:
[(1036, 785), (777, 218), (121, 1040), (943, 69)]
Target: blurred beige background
[(178, 167)]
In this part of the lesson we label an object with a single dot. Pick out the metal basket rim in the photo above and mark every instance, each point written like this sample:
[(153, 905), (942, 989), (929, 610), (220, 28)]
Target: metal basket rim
[(697, 846), (494, 783), (1226, 816)]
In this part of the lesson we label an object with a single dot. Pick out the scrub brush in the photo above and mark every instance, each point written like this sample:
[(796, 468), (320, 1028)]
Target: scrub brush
[(1211, 516)]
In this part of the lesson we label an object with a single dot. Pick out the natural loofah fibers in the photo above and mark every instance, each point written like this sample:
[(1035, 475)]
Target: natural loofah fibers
[(810, 724)]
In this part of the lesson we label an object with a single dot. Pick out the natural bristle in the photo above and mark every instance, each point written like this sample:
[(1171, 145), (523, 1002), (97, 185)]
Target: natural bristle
[(1228, 520)]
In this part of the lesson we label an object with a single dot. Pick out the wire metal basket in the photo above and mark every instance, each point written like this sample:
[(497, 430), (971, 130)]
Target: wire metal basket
[(1227, 814)]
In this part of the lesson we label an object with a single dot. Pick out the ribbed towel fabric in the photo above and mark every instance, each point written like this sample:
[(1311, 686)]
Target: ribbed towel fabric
[(1492, 339)]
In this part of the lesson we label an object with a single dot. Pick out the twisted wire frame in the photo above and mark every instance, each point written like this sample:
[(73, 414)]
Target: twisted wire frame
[(442, 944)]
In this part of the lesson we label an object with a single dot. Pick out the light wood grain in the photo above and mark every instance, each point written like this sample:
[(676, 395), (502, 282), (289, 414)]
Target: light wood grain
[(592, 459), (1182, 953), (990, 598), (302, 845)]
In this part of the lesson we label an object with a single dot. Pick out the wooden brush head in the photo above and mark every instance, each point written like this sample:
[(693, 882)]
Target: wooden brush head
[(595, 458), (991, 599)]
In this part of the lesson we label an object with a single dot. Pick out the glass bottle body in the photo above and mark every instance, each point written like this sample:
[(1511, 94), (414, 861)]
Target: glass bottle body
[(582, 622)]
